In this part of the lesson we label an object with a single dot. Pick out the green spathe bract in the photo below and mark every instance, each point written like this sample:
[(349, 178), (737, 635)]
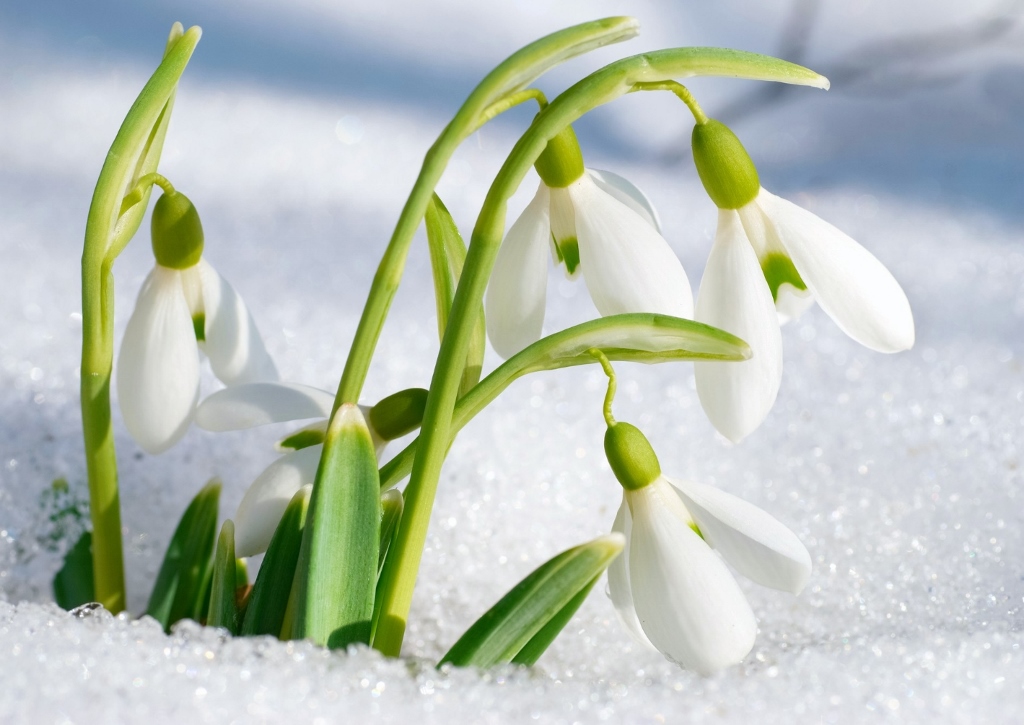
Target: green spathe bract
[(398, 413), (269, 599), (177, 232), (724, 167), (336, 574), (633, 460), (539, 600)]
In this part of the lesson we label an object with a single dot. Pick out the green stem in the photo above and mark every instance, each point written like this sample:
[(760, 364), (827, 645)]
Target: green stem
[(599, 88), (134, 154), (511, 101), (609, 396), (681, 92), (517, 71)]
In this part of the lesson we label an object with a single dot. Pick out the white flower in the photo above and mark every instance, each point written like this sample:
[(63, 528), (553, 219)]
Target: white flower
[(670, 588), (771, 246), (255, 404), (600, 225), (158, 366)]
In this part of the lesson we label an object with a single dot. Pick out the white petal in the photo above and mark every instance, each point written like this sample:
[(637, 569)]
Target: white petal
[(158, 367), (735, 297), (850, 284), (627, 265), (628, 193), (791, 302), (618, 581), (233, 343), (688, 602), (251, 404), (264, 503), (518, 287), (755, 543)]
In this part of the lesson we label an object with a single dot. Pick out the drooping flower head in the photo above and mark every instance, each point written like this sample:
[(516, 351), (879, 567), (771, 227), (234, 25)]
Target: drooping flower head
[(256, 404), (770, 261), (595, 224), (184, 306), (670, 587)]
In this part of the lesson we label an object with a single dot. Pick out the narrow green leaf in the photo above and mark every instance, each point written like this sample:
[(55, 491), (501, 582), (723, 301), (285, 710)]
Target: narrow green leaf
[(269, 598), (540, 599), (392, 504), (180, 585), (73, 584), (337, 569), (447, 255), (539, 643), (223, 611)]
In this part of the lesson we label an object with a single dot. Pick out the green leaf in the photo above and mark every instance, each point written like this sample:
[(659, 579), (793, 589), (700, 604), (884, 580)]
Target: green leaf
[(269, 598), (181, 584), (392, 504), (337, 569), (539, 643), (223, 611), (535, 610), (73, 584), (447, 255), (638, 337)]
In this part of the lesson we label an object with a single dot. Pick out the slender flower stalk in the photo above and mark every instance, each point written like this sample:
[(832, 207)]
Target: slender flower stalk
[(616, 79), (111, 224)]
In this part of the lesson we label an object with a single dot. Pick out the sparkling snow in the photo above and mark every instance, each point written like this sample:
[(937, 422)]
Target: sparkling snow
[(297, 133)]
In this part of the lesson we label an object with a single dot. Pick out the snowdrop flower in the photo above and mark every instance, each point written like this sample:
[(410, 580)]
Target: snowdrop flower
[(595, 223), (669, 586), (183, 306), (255, 404), (770, 260)]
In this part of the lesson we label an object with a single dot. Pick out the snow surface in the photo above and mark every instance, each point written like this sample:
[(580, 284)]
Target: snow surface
[(298, 133)]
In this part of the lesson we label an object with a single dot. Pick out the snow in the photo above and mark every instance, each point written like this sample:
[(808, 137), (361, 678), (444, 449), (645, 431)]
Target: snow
[(902, 474)]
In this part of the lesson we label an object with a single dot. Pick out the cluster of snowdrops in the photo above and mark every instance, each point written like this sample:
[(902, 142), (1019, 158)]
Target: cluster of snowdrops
[(342, 544)]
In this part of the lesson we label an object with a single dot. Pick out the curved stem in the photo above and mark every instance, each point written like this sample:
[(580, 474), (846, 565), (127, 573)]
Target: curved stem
[(612, 81), (609, 395), (110, 225), (519, 70), (681, 92)]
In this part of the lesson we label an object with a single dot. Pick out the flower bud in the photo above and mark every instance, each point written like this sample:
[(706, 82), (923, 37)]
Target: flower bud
[(631, 456), (398, 414), (561, 162), (724, 167), (177, 232)]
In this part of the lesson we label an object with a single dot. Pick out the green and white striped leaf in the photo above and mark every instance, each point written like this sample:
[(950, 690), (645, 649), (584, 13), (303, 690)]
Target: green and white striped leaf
[(530, 616), (269, 598), (180, 586), (336, 575)]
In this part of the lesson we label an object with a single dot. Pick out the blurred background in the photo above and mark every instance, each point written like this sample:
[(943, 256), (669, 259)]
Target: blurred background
[(298, 130)]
